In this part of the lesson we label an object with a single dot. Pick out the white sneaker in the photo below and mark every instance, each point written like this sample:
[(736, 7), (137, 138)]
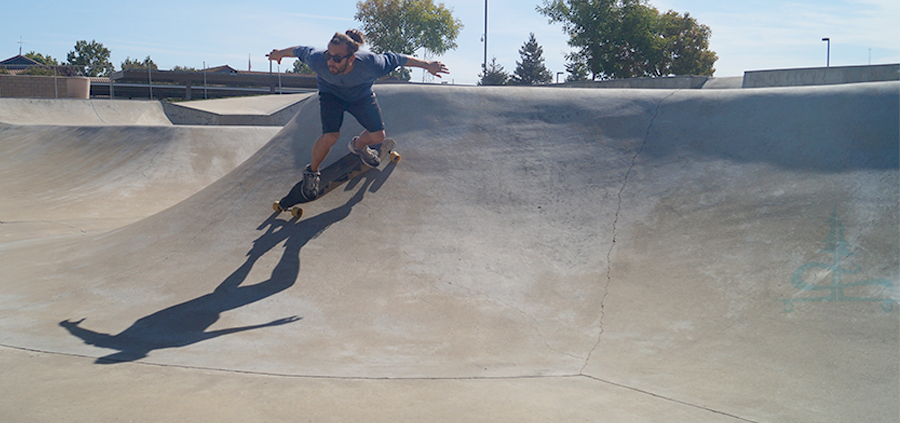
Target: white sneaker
[(368, 155), (310, 188)]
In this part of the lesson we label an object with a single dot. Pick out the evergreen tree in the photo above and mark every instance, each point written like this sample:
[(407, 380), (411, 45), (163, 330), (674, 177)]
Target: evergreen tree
[(494, 74), (578, 71), (531, 70)]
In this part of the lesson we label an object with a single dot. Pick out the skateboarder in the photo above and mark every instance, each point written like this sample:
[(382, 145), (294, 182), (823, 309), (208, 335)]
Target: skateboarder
[(345, 78)]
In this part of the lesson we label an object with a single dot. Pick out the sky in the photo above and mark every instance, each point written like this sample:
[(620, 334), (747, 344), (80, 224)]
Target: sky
[(746, 35)]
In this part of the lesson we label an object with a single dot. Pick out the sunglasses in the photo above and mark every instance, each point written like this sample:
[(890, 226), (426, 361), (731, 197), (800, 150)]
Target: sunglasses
[(335, 57)]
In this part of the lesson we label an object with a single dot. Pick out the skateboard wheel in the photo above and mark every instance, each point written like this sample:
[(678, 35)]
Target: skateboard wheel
[(296, 212), (277, 207), (395, 156)]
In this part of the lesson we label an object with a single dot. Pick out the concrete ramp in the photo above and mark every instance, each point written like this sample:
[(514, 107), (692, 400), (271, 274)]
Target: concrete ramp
[(537, 255), (29, 111), (267, 110), (82, 178)]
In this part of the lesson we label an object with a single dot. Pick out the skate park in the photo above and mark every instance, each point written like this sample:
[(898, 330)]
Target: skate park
[(539, 254)]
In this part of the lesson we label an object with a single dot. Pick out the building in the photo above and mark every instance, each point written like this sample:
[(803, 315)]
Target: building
[(18, 62)]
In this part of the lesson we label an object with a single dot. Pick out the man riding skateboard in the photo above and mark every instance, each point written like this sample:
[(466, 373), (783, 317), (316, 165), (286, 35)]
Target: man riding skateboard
[(345, 76)]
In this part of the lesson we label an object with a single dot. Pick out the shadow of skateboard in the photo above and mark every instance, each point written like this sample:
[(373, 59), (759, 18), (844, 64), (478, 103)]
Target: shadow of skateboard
[(334, 175)]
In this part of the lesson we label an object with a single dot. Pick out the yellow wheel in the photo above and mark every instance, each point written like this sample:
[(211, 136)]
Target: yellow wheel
[(277, 207), (395, 156), (296, 212)]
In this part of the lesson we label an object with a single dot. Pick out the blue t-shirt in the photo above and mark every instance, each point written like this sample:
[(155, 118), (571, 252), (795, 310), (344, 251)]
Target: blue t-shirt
[(367, 68)]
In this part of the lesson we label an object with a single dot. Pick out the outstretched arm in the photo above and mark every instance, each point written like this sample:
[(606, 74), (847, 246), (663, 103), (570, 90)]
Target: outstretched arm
[(277, 55), (434, 67)]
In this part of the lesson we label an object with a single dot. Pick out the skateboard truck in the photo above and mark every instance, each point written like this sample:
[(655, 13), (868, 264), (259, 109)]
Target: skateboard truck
[(295, 211)]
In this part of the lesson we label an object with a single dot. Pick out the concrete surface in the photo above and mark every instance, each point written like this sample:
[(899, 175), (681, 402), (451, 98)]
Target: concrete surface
[(268, 110), (537, 255), (724, 83), (30, 111), (87, 165)]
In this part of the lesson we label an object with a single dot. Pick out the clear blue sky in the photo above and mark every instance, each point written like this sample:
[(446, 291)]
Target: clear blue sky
[(746, 35)]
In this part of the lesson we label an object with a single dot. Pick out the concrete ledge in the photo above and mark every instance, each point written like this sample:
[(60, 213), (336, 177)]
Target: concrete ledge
[(271, 110), (666, 82), (820, 76)]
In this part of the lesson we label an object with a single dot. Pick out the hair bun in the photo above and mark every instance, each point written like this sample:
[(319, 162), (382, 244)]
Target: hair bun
[(356, 35)]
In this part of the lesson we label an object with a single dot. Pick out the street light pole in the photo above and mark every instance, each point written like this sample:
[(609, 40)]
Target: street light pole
[(828, 57), (484, 66)]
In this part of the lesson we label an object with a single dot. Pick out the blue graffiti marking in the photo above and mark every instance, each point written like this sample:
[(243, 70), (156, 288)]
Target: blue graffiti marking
[(838, 247)]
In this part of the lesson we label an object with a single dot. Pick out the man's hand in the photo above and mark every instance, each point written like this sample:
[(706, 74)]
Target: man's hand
[(436, 68), (277, 55)]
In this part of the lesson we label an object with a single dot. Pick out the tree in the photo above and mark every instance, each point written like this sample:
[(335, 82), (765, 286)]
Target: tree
[(405, 26), (40, 58), (92, 57), (531, 70), (578, 71), (686, 46), (49, 68), (494, 74), (130, 63), (629, 38), (301, 68)]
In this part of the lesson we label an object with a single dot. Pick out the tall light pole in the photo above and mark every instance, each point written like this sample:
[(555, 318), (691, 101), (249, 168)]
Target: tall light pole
[(484, 66), (828, 57)]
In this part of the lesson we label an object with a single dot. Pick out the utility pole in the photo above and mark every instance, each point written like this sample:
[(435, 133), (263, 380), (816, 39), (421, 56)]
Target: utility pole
[(828, 57)]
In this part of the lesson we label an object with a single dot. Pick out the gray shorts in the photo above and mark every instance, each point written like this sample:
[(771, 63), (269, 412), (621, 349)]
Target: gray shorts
[(366, 111)]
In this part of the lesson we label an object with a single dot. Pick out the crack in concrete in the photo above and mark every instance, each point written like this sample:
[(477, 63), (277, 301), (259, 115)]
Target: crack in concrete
[(383, 378), (609, 281), (676, 401), (615, 226)]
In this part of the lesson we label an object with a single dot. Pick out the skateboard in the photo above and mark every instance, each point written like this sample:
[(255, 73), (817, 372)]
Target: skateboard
[(333, 175)]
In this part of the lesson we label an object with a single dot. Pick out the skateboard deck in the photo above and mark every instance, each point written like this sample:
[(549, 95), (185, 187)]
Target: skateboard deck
[(334, 175)]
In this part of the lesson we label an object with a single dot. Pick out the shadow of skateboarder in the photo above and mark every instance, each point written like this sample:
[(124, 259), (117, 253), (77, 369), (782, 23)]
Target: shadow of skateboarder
[(188, 323)]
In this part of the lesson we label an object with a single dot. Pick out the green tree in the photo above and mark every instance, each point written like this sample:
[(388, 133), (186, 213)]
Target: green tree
[(531, 70), (130, 63), (91, 58), (686, 46), (405, 26), (38, 71), (49, 68), (494, 74), (40, 58), (301, 68), (629, 38), (578, 71)]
